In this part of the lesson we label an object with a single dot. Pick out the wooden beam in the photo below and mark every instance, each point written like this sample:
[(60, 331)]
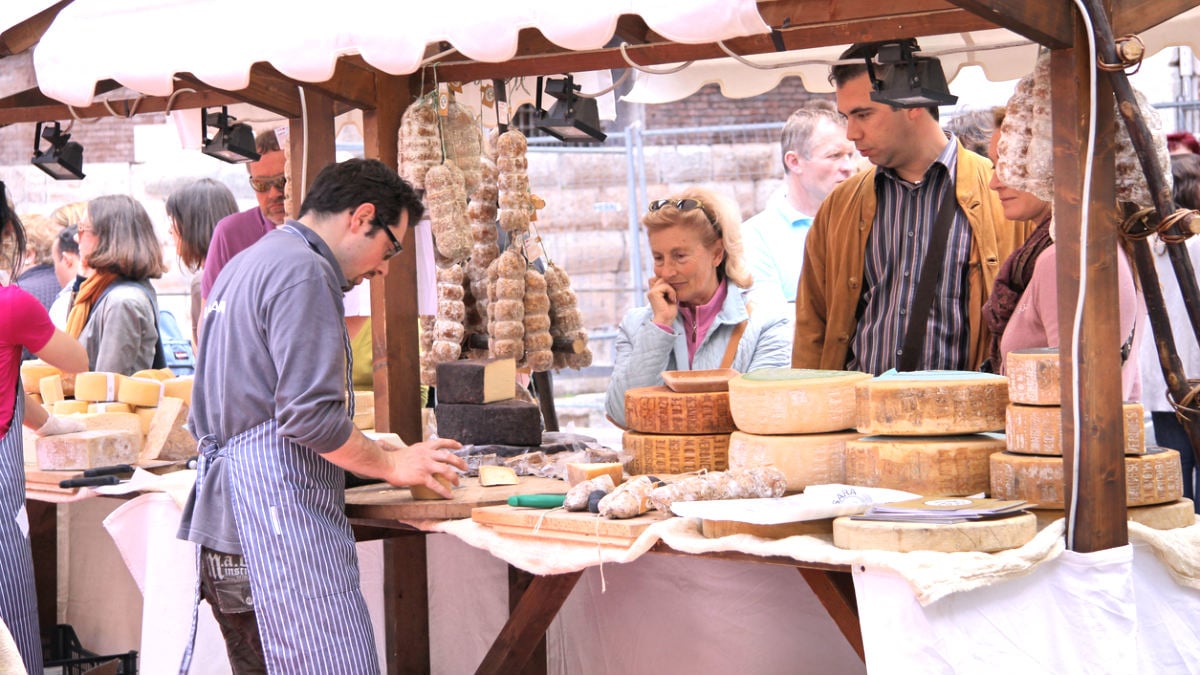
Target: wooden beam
[(268, 90), (518, 582), (26, 34), (32, 106), (835, 590), (353, 84), (527, 623), (796, 37), (1048, 23), (1132, 17), (1099, 521), (406, 605)]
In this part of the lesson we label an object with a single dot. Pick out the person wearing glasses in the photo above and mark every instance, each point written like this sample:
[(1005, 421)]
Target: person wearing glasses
[(24, 324), (115, 313), (238, 231), (194, 210), (273, 416), (698, 317)]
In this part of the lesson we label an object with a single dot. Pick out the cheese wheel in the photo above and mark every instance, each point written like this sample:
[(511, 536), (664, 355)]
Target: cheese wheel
[(98, 386), (675, 453), (140, 392), (1037, 430), (982, 535), (70, 406), (154, 374), (33, 371), (931, 466), (181, 388), (109, 407), (932, 403), (658, 410), (794, 401), (1152, 478), (804, 459), (1033, 376), (1179, 513)]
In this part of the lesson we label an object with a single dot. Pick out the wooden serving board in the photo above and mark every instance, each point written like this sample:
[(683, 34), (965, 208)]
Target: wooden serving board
[(570, 526), (724, 528), (38, 481), (386, 502)]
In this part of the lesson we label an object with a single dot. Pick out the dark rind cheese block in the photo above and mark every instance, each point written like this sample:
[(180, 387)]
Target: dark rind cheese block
[(476, 381), (511, 422)]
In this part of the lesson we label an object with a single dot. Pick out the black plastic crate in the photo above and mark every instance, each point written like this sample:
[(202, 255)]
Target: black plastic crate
[(70, 658)]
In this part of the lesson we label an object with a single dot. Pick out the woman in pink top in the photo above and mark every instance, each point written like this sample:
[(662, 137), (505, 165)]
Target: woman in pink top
[(1023, 308)]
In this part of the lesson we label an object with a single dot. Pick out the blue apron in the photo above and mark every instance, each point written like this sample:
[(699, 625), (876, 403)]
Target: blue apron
[(18, 599)]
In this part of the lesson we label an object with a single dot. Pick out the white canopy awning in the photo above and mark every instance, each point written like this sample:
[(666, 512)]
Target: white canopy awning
[(142, 44)]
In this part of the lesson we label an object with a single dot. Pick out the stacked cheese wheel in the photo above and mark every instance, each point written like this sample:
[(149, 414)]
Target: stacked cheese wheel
[(928, 432), (127, 419), (795, 420), (676, 432), (1033, 467)]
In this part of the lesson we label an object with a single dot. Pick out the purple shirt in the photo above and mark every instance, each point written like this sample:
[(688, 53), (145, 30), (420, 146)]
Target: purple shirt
[(232, 235)]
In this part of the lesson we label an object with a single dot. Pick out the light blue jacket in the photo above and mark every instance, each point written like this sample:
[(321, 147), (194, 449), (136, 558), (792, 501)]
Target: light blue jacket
[(643, 350)]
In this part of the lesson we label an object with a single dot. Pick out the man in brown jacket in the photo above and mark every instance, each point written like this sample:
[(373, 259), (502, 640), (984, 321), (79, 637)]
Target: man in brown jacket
[(865, 251)]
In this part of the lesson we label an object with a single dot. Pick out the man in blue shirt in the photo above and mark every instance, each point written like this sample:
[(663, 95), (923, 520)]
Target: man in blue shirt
[(816, 157)]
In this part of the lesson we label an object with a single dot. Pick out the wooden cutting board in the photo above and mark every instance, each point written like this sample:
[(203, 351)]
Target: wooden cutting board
[(38, 481), (569, 526), (385, 502)]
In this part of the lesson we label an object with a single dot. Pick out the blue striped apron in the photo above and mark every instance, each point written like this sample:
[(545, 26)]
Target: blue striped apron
[(18, 598)]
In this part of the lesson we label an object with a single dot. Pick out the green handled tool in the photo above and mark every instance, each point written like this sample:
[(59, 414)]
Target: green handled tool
[(537, 501)]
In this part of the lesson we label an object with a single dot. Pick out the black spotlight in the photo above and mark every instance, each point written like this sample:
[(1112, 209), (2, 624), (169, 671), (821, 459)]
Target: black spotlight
[(914, 81), (231, 143), (64, 159), (572, 118)]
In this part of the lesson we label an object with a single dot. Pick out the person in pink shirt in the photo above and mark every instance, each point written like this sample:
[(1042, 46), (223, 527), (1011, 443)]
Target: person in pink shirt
[(697, 316)]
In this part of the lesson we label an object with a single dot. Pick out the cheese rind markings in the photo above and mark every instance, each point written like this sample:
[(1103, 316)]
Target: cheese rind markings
[(1033, 376), (932, 403), (658, 410), (1152, 478), (931, 466), (794, 401), (1037, 430), (675, 453), (804, 459)]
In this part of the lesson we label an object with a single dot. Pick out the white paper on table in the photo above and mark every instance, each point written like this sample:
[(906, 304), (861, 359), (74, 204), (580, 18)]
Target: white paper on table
[(815, 503)]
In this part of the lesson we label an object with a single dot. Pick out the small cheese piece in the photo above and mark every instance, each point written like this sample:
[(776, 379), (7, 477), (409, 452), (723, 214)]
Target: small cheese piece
[(154, 374), (422, 492), (179, 387), (491, 474), (86, 450), (931, 466), (658, 410), (476, 380), (675, 453), (1037, 430), (579, 472), (511, 422), (804, 459), (115, 421), (794, 401), (982, 535), (51, 389), (141, 392), (146, 415), (33, 371), (1033, 376), (168, 438), (1152, 478), (70, 406), (98, 386), (932, 403), (109, 407)]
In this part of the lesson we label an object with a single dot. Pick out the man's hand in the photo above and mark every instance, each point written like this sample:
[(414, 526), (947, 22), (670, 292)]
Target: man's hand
[(419, 464), (663, 303)]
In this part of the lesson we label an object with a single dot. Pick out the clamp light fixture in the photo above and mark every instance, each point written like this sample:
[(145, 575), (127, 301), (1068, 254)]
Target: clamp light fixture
[(64, 159), (572, 118), (907, 81), (232, 143)]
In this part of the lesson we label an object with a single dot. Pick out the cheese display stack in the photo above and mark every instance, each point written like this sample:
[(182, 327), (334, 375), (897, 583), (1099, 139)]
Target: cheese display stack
[(129, 420), (1033, 466), (929, 432), (798, 421), (477, 404), (677, 431)]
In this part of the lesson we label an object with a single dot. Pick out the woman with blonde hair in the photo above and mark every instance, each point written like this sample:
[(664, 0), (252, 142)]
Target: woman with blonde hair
[(698, 317), (115, 313)]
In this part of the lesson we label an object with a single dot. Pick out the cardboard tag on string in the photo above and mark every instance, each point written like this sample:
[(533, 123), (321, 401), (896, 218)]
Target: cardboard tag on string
[(487, 95), (444, 99), (533, 244)]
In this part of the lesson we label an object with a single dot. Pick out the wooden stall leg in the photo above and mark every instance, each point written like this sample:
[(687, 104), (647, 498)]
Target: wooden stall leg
[(835, 590), (544, 386), (43, 538), (527, 623), (518, 582), (406, 605)]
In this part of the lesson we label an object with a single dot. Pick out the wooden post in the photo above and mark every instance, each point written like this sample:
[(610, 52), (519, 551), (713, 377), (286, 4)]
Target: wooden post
[(311, 141), (1098, 520)]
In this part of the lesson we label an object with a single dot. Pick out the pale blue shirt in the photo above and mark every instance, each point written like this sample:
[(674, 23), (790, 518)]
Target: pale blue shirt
[(774, 244)]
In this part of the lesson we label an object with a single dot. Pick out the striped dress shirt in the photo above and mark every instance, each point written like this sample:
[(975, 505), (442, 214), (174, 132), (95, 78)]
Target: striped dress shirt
[(904, 222)]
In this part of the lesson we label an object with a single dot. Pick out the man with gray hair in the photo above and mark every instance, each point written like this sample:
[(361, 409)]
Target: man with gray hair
[(816, 157)]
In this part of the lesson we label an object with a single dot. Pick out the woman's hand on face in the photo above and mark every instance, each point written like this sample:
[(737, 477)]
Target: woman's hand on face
[(663, 302)]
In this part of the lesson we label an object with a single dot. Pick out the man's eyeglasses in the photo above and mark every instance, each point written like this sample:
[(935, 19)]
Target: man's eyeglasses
[(265, 184), (396, 246), (685, 205)]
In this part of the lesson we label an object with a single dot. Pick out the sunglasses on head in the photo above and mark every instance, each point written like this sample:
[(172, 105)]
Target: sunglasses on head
[(265, 184), (685, 205)]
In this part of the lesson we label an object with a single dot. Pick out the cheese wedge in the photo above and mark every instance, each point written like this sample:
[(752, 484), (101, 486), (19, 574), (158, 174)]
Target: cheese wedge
[(932, 403), (33, 371), (179, 387), (579, 472), (794, 401), (51, 389)]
